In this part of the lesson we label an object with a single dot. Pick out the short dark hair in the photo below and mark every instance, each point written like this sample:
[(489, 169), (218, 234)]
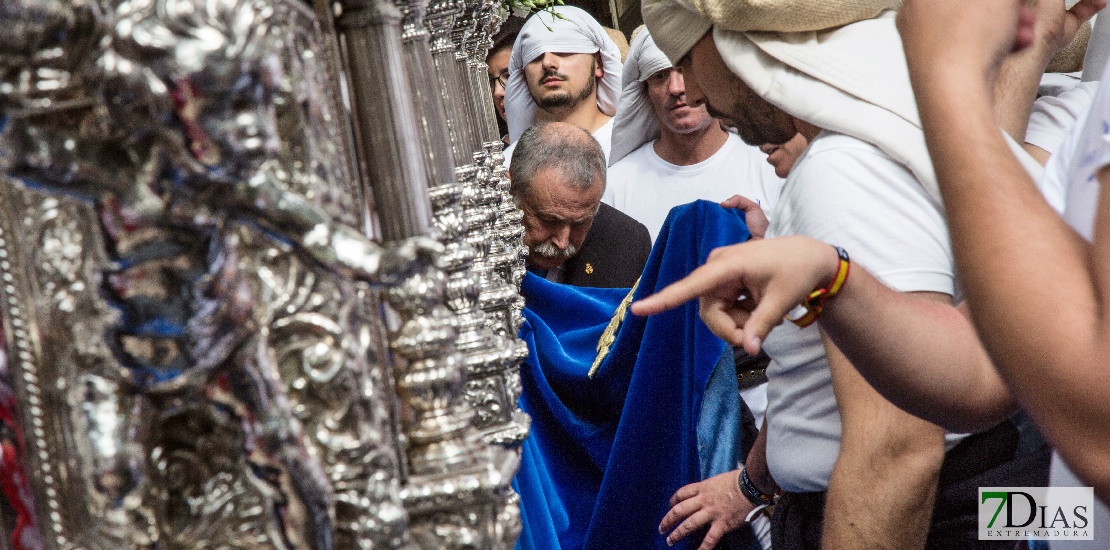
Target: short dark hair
[(566, 148)]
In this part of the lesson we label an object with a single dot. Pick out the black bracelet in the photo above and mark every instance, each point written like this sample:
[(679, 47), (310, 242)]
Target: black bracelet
[(751, 492)]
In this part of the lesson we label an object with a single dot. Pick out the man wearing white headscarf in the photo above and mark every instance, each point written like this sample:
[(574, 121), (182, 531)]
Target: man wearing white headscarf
[(563, 68), (668, 151), (866, 184)]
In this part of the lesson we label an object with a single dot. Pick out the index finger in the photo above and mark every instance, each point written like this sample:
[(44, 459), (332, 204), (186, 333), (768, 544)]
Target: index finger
[(699, 282)]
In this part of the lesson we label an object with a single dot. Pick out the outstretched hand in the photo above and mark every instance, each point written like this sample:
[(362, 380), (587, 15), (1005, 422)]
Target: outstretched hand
[(746, 289), (716, 502)]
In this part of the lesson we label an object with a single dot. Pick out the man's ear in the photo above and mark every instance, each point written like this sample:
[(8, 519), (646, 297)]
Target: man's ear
[(599, 70)]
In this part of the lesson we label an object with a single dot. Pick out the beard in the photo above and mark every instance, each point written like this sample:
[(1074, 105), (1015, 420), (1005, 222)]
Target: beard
[(550, 251), (565, 98), (756, 123)]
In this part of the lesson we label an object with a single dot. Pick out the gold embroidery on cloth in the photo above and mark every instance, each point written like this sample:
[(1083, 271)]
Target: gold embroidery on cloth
[(610, 333)]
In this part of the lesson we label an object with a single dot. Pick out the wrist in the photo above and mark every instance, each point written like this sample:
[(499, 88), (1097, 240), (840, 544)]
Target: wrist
[(810, 309), (751, 492)]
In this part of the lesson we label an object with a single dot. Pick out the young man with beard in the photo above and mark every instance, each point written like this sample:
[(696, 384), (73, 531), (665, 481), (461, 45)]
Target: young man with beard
[(563, 68), (558, 177), (668, 151)]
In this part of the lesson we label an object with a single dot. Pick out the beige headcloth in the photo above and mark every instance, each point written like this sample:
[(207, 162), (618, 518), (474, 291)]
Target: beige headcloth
[(678, 24), (850, 79)]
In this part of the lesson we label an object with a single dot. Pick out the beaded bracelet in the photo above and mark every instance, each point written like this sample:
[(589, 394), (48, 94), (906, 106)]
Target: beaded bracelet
[(751, 492), (810, 309)]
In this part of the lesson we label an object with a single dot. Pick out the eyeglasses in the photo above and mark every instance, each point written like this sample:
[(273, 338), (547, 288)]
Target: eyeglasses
[(502, 78)]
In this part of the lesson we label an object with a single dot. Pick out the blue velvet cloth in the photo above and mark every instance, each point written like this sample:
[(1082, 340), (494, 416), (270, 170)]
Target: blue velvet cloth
[(606, 454)]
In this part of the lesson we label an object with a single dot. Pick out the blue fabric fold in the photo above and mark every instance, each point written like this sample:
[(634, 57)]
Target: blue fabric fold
[(606, 454)]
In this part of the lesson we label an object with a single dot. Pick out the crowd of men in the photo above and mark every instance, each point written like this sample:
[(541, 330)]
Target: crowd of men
[(943, 289)]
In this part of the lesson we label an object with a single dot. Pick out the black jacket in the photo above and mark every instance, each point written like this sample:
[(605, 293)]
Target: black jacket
[(613, 254)]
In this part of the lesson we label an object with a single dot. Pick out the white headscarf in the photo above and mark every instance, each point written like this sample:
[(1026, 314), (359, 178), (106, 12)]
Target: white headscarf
[(575, 31), (636, 122), (852, 80)]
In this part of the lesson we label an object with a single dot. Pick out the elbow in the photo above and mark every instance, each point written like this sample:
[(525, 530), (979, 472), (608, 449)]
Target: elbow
[(976, 417), (914, 453)]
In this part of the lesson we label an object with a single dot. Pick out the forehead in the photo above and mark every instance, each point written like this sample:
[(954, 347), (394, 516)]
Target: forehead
[(550, 192), (499, 60)]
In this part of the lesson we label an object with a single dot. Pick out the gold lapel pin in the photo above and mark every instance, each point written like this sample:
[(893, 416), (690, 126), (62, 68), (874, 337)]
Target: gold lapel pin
[(589, 268)]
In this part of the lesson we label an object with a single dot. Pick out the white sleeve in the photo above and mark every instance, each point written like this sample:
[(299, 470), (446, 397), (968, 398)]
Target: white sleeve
[(862, 200), (1052, 183), (1053, 117)]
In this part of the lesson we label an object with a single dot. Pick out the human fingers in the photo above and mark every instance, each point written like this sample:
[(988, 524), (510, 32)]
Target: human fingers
[(723, 319), (699, 519), (754, 216), (768, 314), (716, 272), (685, 492), (717, 530), (739, 201), (678, 513), (1080, 13)]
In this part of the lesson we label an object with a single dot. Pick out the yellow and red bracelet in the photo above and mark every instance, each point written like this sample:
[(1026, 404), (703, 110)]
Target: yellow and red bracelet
[(810, 309)]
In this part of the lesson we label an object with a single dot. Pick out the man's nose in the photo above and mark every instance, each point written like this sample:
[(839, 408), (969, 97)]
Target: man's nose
[(694, 95), (675, 85), (561, 237), (550, 61)]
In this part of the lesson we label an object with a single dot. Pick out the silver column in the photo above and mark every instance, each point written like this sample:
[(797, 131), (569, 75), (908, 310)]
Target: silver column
[(386, 116)]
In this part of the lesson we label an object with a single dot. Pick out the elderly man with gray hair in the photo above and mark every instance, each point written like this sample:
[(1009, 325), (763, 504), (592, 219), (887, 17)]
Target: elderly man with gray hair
[(558, 177)]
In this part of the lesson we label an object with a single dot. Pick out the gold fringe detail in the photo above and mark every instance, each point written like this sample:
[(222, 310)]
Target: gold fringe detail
[(610, 333)]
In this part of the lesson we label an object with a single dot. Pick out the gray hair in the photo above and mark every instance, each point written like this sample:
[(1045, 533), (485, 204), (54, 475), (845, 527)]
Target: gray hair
[(566, 148)]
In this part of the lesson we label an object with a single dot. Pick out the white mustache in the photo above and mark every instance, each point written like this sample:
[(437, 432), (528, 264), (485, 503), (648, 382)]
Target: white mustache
[(548, 250)]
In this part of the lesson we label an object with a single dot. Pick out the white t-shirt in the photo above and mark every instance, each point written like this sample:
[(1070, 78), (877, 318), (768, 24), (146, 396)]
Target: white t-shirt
[(846, 192), (646, 187), (603, 135), (1073, 171), (1053, 117)]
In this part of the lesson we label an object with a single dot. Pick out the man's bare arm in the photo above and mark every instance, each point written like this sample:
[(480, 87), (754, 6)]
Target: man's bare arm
[(896, 456), (1039, 292), (918, 351), (938, 369), (1019, 75)]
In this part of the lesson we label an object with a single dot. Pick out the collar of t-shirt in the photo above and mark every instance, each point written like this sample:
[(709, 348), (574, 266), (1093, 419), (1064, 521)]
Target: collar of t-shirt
[(658, 163)]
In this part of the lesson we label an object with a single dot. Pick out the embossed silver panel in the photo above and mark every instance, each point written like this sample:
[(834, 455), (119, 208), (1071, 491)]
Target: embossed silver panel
[(192, 358)]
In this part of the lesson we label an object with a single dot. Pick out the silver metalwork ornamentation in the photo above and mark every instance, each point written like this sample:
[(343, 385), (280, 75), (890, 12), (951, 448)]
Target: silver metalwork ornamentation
[(204, 364)]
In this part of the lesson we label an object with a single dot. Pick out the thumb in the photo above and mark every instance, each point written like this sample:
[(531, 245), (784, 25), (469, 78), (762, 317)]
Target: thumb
[(739, 201)]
